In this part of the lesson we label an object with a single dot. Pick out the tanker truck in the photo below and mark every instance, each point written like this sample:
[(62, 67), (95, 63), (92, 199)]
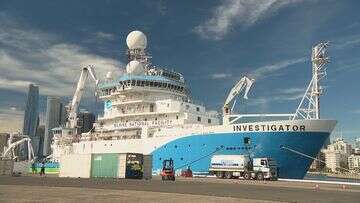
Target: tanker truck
[(235, 166)]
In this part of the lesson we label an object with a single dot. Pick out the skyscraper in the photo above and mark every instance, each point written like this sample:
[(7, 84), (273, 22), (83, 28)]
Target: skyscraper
[(31, 116), (63, 114), (52, 120), (40, 137)]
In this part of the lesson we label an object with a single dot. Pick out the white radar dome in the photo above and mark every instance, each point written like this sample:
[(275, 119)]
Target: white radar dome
[(108, 75), (135, 68), (136, 40)]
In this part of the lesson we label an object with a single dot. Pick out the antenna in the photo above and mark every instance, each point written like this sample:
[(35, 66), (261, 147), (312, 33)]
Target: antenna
[(309, 107)]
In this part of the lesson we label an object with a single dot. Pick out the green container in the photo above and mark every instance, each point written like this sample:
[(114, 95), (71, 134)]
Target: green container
[(104, 165)]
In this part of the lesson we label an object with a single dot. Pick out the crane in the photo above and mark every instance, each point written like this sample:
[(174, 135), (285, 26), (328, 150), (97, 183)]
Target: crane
[(244, 82), (73, 106), (9, 151)]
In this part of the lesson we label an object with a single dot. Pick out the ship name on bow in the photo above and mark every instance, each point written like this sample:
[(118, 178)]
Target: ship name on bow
[(265, 127)]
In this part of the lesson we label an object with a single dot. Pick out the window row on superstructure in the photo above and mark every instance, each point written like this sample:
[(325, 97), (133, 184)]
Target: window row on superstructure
[(123, 85)]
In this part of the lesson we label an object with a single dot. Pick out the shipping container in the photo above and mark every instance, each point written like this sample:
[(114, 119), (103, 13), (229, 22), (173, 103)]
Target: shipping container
[(75, 165), (147, 167), (104, 165), (134, 166), (122, 166)]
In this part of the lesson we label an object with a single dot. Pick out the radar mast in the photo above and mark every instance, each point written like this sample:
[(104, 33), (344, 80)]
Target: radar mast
[(309, 107)]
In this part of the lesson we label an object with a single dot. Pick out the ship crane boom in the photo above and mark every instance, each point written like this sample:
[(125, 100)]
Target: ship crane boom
[(245, 84), (73, 107)]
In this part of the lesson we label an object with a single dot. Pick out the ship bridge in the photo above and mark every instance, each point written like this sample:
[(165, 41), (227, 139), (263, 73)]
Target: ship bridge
[(145, 83)]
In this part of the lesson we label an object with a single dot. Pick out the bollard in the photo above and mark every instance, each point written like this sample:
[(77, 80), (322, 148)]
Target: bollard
[(343, 187), (317, 187)]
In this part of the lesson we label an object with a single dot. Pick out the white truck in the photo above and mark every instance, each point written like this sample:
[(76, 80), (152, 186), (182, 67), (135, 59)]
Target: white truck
[(235, 166)]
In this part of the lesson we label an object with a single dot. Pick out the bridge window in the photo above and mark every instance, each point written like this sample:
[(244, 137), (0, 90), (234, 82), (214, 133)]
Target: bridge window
[(209, 120), (199, 118)]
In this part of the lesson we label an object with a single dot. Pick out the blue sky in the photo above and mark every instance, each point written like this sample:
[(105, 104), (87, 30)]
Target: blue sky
[(213, 43)]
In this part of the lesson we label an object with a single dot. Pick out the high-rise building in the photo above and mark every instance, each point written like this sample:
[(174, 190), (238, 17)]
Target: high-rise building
[(63, 114), (31, 116), (85, 121), (38, 151), (52, 120)]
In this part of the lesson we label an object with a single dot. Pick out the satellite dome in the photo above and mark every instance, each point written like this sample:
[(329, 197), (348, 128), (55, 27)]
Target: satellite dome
[(136, 40), (108, 75), (134, 67)]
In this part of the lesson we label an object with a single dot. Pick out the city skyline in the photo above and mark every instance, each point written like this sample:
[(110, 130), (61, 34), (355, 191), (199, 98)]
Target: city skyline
[(212, 47)]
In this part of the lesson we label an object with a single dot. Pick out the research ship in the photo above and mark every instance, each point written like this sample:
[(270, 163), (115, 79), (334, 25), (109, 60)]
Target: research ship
[(149, 110)]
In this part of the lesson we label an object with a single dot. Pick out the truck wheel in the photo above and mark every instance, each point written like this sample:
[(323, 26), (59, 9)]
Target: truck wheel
[(228, 175), (173, 178), (260, 176), (247, 176), (219, 174)]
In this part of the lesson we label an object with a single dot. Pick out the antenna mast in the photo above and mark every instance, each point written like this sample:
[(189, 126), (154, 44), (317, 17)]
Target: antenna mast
[(309, 107)]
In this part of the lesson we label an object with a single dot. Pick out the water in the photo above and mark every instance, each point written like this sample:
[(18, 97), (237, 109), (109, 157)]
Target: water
[(324, 177)]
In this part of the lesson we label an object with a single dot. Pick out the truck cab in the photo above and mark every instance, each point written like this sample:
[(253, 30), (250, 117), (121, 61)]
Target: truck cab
[(267, 166)]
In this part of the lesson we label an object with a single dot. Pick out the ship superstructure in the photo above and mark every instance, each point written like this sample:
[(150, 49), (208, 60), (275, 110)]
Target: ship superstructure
[(146, 99), (149, 110)]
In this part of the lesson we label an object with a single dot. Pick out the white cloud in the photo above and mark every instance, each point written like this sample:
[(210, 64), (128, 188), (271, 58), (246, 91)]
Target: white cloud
[(104, 36), (264, 71), (293, 90), (280, 95), (30, 56), (346, 42), (220, 75), (10, 119), (231, 13)]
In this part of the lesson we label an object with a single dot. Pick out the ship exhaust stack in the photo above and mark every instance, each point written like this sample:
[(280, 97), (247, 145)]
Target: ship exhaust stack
[(309, 107)]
